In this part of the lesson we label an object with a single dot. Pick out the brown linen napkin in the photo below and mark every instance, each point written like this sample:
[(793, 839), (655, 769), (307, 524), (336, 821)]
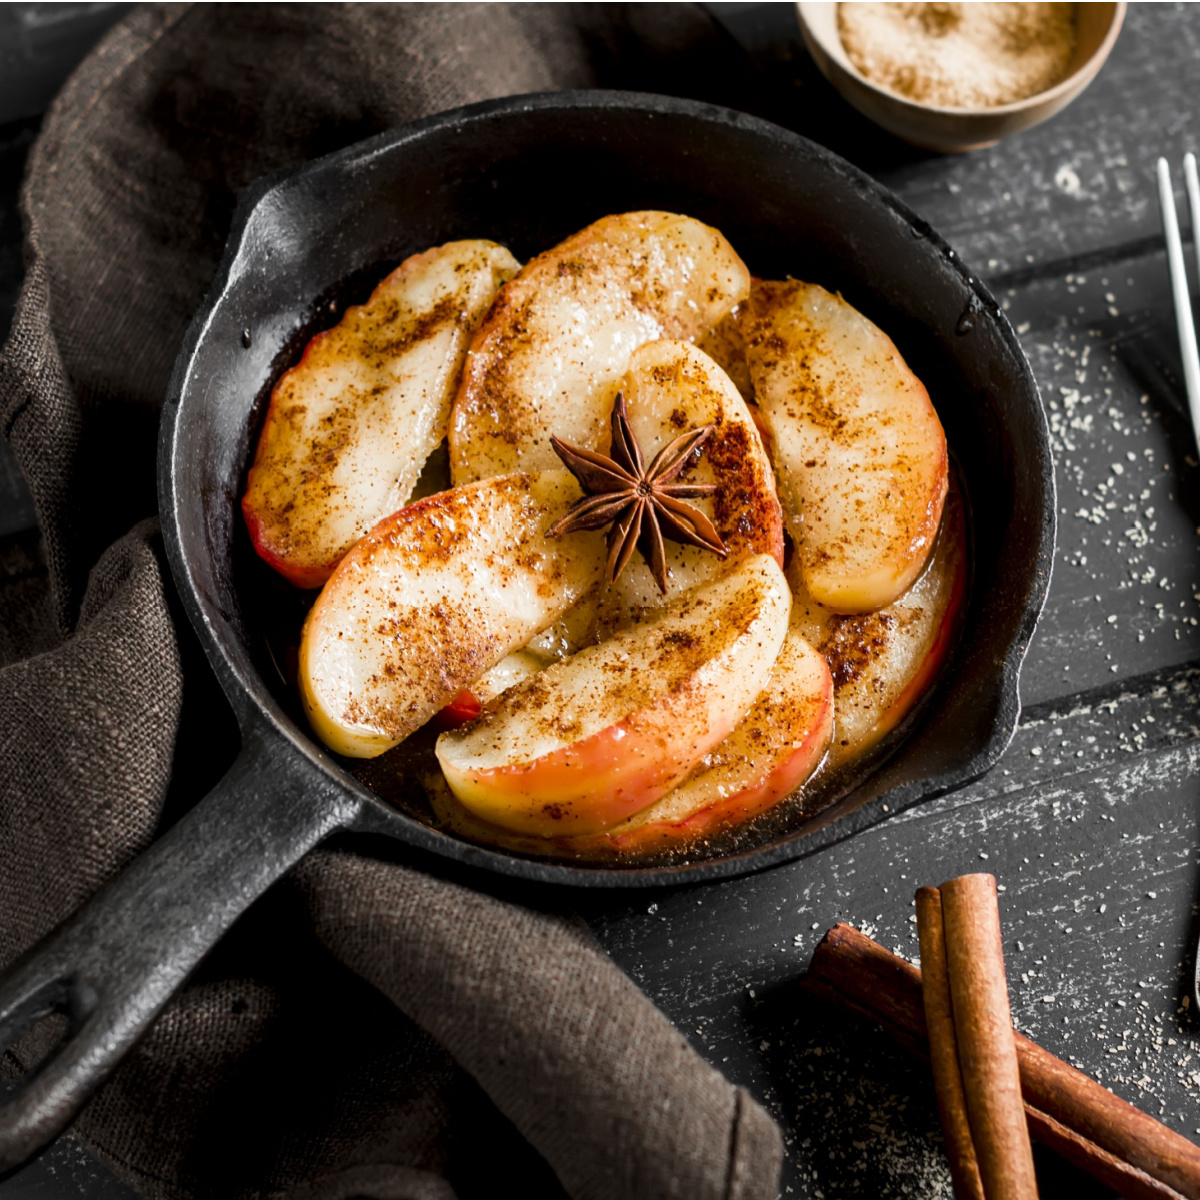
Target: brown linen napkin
[(366, 1030)]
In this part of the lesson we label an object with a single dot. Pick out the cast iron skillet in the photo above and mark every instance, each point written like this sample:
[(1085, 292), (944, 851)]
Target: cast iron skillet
[(526, 172)]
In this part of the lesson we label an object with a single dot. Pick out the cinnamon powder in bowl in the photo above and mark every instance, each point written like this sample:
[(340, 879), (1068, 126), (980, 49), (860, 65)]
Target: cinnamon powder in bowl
[(951, 77), (960, 55)]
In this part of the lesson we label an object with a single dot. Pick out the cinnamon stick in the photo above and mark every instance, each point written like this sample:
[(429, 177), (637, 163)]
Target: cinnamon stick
[(943, 1047), (987, 1054), (1118, 1144)]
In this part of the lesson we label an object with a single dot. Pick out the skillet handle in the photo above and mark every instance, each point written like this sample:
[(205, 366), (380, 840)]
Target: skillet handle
[(112, 967)]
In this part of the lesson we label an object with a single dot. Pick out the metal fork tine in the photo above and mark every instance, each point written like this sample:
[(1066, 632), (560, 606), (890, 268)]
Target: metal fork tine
[(1192, 182), (1187, 330), (1179, 291)]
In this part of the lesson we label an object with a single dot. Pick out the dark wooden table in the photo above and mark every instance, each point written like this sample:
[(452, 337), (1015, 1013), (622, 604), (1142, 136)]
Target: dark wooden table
[(1091, 823)]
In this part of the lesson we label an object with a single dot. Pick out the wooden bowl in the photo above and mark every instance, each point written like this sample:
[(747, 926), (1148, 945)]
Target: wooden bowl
[(950, 130)]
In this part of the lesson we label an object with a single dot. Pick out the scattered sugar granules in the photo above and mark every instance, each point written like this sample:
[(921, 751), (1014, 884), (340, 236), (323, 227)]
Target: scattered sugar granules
[(960, 55)]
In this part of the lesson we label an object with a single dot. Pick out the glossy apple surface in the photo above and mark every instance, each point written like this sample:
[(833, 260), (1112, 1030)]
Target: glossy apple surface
[(349, 427), (725, 344), (432, 598), (669, 388), (512, 669), (776, 746), (549, 355), (883, 662), (859, 452), (593, 739)]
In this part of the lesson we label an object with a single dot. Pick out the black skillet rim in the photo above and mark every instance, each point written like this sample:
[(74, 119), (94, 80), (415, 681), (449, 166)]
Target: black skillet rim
[(256, 707)]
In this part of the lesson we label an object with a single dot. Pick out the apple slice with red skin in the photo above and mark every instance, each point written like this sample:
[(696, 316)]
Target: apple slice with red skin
[(591, 740), (859, 452), (557, 641), (777, 745), (514, 668), (883, 662), (349, 428), (872, 699), (549, 356), (432, 598), (669, 388), (463, 709)]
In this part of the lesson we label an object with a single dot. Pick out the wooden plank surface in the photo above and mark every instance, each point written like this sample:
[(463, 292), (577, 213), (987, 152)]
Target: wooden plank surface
[(1124, 598), (1090, 827), (1079, 184)]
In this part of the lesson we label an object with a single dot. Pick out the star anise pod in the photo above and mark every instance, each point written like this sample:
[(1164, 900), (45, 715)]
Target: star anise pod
[(643, 503)]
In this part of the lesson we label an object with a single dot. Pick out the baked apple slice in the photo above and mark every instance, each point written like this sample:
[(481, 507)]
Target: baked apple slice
[(883, 662), (514, 668), (432, 598), (725, 344), (595, 738), (669, 388), (349, 427), (859, 451), (776, 746), (549, 355)]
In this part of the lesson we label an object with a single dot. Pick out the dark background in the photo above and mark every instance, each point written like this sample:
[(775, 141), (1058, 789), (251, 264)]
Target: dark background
[(1090, 823)]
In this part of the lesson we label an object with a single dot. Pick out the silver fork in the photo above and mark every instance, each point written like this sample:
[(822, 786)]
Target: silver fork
[(1187, 332), (1179, 281)]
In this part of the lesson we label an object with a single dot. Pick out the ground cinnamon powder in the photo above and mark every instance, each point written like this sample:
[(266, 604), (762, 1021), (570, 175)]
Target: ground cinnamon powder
[(960, 55)]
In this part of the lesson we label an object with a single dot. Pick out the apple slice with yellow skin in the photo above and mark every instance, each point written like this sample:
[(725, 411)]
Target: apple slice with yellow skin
[(669, 388), (591, 740), (549, 355), (859, 452), (349, 428), (883, 662), (432, 598)]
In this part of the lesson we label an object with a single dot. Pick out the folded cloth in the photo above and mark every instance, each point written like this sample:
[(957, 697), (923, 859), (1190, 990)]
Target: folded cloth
[(367, 1029)]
